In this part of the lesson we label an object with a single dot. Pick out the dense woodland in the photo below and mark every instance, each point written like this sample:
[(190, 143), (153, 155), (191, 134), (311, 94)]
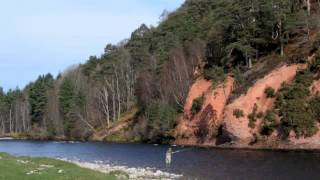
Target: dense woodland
[(153, 69)]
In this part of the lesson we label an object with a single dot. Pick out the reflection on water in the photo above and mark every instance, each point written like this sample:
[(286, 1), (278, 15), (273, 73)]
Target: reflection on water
[(191, 162)]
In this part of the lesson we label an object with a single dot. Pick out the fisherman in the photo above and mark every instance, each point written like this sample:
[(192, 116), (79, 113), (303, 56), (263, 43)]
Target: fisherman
[(169, 157)]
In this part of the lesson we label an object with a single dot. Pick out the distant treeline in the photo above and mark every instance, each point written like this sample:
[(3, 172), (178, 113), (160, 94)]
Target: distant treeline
[(153, 70)]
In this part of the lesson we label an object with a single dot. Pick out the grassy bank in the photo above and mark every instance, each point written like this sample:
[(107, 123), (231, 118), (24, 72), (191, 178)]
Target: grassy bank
[(26, 168)]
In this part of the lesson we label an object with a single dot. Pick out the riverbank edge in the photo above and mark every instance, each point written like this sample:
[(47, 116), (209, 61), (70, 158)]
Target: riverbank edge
[(285, 148), (50, 167), (248, 148), (134, 173), (116, 171)]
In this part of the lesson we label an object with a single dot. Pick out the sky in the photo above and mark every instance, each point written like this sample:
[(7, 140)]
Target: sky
[(42, 36)]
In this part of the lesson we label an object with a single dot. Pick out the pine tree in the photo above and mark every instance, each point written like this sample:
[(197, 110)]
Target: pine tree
[(67, 99), (38, 98)]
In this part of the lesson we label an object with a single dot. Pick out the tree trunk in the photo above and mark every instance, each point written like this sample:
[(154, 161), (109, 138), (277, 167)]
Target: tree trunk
[(3, 126), (106, 105), (119, 97), (113, 101), (10, 120), (23, 117), (309, 7), (16, 117), (249, 63), (308, 28), (128, 84), (281, 38), (86, 122), (282, 48)]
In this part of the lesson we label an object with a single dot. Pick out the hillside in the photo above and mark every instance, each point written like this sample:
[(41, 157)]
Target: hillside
[(278, 111), (218, 73)]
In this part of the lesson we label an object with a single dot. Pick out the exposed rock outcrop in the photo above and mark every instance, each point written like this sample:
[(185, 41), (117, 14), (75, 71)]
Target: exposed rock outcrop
[(315, 88), (215, 124), (202, 127), (255, 96)]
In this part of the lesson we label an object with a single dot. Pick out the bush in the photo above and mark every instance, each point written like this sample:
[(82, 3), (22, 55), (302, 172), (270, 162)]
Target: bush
[(270, 117), (238, 113), (260, 115), (294, 108), (161, 119), (266, 130), (315, 66), (300, 120), (197, 104), (215, 74), (304, 77), (270, 92), (253, 117), (269, 123), (116, 137), (38, 133), (315, 107), (238, 77)]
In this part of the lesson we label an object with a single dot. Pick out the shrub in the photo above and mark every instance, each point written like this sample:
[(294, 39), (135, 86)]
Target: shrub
[(117, 137), (300, 120), (270, 117), (304, 77), (38, 133), (197, 104), (161, 119), (266, 130), (269, 123), (238, 113), (294, 108), (270, 92), (315, 66), (253, 117), (315, 107), (238, 76), (215, 74), (260, 115)]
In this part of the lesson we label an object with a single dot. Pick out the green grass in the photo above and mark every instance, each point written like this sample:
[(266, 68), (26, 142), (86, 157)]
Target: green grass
[(21, 168)]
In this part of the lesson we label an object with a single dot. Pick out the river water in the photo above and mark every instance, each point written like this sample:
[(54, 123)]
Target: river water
[(192, 163)]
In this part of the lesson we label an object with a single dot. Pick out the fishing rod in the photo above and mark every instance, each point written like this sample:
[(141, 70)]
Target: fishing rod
[(169, 154), (182, 150)]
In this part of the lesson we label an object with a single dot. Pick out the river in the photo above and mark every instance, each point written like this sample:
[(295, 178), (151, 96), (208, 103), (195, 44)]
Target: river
[(192, 163)]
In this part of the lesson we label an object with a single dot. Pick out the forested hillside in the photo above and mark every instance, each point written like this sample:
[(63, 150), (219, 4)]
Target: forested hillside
[(137, 89)]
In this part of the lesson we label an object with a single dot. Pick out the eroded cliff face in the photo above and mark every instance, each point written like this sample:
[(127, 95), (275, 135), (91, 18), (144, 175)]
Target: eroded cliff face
[(315, 88), (217, 124), (202, 127), (216, 119), (255, 96)]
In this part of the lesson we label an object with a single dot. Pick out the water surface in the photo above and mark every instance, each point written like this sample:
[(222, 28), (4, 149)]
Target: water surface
[(193, 163)]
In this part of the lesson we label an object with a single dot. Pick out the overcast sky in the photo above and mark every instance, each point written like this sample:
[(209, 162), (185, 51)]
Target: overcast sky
[(41, 36)]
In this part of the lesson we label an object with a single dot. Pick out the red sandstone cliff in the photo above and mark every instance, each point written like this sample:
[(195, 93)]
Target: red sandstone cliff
[(201, 128), (216, 119)]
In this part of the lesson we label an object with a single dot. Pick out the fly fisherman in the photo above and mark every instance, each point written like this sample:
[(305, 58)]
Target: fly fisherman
[(169, 157)]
